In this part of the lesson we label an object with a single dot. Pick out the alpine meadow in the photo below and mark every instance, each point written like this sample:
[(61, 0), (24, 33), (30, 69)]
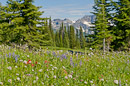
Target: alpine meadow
[(65, 43)]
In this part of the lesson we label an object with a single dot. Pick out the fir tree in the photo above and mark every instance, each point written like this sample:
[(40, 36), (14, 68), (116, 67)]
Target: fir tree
[(82, 39), (65, 39), (72, 37), (122, 22), (101, 24), (77, 40)]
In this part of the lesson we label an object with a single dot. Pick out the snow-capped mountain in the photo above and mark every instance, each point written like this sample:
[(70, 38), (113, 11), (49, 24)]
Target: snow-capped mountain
[(85, 23)]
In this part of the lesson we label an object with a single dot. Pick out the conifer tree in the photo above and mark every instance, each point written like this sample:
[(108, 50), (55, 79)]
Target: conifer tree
[(122, 22), (77, 40), (101, 24), (52, 32), (82, 38), (25, 26), (72, 37), (65, 39), (57, 39)]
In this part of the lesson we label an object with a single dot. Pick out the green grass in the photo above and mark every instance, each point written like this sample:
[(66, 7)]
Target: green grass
[(60, 68)]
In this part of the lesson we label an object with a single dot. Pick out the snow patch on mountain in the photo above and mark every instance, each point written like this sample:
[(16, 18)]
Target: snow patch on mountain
[(87, 23)]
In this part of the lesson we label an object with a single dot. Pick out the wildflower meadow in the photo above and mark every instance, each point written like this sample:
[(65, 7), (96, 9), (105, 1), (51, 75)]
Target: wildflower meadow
[(44, 67)]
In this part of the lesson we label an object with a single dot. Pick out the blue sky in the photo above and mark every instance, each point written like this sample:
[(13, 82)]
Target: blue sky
[(71, 9)]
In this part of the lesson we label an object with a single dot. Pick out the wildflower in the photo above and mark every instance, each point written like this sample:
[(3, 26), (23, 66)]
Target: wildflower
[(40, 70), (36, 62), (70, 76), (32, 65), (1, 83), (42, 83), (52, 68), (116, 81), (25, 66), (81, 80), (16, 59), (10, 80), (20, 60), (65, 71), (45, 61), (29, 62), (55, 76), (25, 62), (63, 67), (55, 67), (16, 66), (27, 55), (37, 78), (10, 68), (32, 70), (85, 82), (34, 81), (102, 79), (66, 77), (18, 78), (17, 74), (91, 81), (68, 84)]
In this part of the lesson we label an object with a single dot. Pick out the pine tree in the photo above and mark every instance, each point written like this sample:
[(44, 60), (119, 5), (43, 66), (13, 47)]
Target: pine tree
[(122, 22), (57, 40), (25, 24), (101, 24), (52, 32), (65, 39), (61, 34), (82, 38), (77, 40), (72, 37)]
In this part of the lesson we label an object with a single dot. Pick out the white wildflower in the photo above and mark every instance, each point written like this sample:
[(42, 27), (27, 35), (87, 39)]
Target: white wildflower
[(66, 77), (102, 79), (1, 83), (63, 67), (116, 81), (70, 76), (55, 76), (37, 78), (51, 65), (18, 78), (32, 69), (91, 81), (25, 62), (40, 70), (42, 83), (16, 66), (17, 74), (10, 68), (85, 82), (52, 68), (55, 67), (25, 66), (34, 81), (68, 84), (10, 80), (27, 55), (21, 60)]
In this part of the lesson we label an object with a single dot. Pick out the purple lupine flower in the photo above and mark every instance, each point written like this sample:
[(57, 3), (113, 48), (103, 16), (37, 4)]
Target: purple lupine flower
[(54, 54), (16, 58), (71, 62), (13, 54), (128, 62), (80, 63), (9, 55), (6, 55)]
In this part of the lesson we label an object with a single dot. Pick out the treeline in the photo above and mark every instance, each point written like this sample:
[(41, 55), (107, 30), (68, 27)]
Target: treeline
[(68, 37), (112, 25)]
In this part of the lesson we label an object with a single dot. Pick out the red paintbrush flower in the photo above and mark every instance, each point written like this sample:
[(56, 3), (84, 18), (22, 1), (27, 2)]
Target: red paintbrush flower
[(36, 62), (32, 65), (45, 61), (29, 62)]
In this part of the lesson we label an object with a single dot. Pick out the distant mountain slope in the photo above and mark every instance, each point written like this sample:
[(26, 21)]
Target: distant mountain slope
[(85, 23)]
